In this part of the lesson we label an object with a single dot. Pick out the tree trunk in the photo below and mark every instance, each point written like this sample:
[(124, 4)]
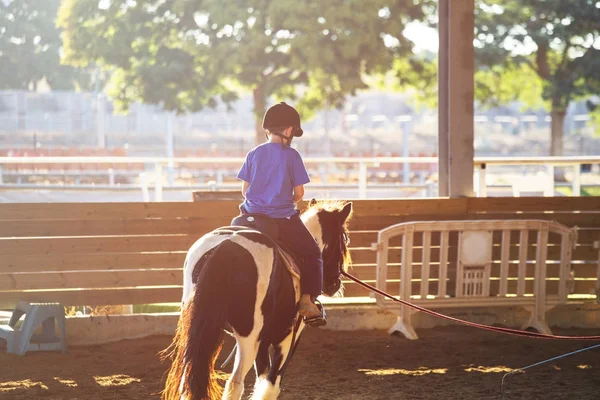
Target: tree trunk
[(260, 107), (556, 141), (557, 129)]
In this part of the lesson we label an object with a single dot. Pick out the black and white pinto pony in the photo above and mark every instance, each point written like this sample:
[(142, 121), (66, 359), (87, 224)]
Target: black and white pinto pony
[(237, 278)]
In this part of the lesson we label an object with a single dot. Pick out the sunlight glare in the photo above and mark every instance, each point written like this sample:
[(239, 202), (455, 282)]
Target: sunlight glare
[(393, 371), (486, 370), (115, 380), (424, 37), (25, 384), (66, 382)]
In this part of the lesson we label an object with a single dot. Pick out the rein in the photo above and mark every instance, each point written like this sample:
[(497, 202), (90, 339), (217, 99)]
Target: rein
[(295, 341), (516, 332)]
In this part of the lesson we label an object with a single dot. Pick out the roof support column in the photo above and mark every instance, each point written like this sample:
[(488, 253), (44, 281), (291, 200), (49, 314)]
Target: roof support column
[(456, 97)]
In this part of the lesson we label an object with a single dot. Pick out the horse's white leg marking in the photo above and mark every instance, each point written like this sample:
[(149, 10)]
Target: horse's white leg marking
[(261, 364), (258, 384), (265, 390), (247, 347), (198, 249)]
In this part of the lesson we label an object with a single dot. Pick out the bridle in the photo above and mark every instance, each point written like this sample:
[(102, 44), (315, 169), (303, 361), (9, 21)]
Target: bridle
[(342, 245)]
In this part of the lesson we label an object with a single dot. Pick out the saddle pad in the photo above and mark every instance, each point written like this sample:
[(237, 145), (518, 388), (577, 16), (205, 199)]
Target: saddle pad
[(290, 263)]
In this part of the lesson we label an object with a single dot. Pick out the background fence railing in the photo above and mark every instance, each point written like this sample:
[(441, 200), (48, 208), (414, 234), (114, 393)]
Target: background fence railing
[(356, 177)]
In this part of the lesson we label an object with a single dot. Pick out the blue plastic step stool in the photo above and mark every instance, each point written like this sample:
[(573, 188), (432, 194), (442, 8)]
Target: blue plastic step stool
[(20, 341)]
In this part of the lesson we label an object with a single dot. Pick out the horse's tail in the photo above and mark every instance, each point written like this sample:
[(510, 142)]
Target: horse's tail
[(199, 334)]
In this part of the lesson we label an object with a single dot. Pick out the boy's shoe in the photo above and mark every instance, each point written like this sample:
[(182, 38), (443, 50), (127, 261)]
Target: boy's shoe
[(313, 313)]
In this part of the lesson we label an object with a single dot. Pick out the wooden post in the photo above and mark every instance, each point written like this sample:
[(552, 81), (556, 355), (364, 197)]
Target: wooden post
[(523, 244), (101, 121), (170, 148), (505, 258), (577, 180), (443, 133), (158, 183), (482, 189), (362, 180), (456, 97), (444, 241), (426, 252)]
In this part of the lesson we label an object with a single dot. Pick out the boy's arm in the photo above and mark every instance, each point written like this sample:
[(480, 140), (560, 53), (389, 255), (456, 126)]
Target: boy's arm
[(298, 193), (245, 188)]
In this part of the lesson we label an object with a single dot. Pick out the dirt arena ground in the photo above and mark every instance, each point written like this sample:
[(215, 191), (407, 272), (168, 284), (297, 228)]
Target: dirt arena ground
[(446, 363)]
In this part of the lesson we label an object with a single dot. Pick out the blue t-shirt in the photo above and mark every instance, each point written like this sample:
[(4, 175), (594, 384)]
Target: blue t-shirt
[(272, 170)]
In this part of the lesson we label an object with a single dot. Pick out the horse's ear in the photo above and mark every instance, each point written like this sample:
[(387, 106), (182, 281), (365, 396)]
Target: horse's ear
[(312, 202), (346, 211)]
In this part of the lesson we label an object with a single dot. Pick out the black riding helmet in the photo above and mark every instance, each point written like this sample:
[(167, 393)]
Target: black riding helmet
[(282, 115)]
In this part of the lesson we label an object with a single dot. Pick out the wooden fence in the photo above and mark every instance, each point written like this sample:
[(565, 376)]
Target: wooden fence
[(132, 253)]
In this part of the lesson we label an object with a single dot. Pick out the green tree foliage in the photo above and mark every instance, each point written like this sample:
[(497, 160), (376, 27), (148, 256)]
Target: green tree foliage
[(542, 53), (558, 40), (30, 45), (499, 85), (187, 54), (495, 85)]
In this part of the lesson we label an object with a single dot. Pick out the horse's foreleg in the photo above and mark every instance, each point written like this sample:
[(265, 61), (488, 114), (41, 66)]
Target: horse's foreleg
[(268, 389), (247, 347), (261, 365)]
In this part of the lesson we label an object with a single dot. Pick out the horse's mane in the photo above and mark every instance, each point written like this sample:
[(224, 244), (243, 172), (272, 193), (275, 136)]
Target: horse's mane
[(326, 205), (331, 206)]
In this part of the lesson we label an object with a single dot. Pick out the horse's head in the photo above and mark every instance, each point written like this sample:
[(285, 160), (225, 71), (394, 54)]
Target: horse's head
[(327, 221)]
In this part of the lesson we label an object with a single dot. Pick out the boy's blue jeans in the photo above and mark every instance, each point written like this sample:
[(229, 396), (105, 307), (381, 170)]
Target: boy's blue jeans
[(294, 233)]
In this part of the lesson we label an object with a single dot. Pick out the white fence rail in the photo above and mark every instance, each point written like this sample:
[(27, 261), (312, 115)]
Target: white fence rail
[(160, 172), (467, 280)]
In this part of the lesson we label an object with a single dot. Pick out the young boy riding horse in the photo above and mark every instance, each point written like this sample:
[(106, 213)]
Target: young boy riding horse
[(274, 176)]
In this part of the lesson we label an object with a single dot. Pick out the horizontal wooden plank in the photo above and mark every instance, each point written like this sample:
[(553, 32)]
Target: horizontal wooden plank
[(352, 289), (118, 279), (378, 222), (83, 262), (91, 279), (94, 297), (86, 211), (583, 252), (364, 238), (111, 227), (369, 271), (207, 195), (361, 256), (25, 262), (99, 297), (586, 270), (215, 208), (114, 225), (103, 244), (579, 287), (584, 237), (197, 227), (368, 256), (408, 207), (534, 204)]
